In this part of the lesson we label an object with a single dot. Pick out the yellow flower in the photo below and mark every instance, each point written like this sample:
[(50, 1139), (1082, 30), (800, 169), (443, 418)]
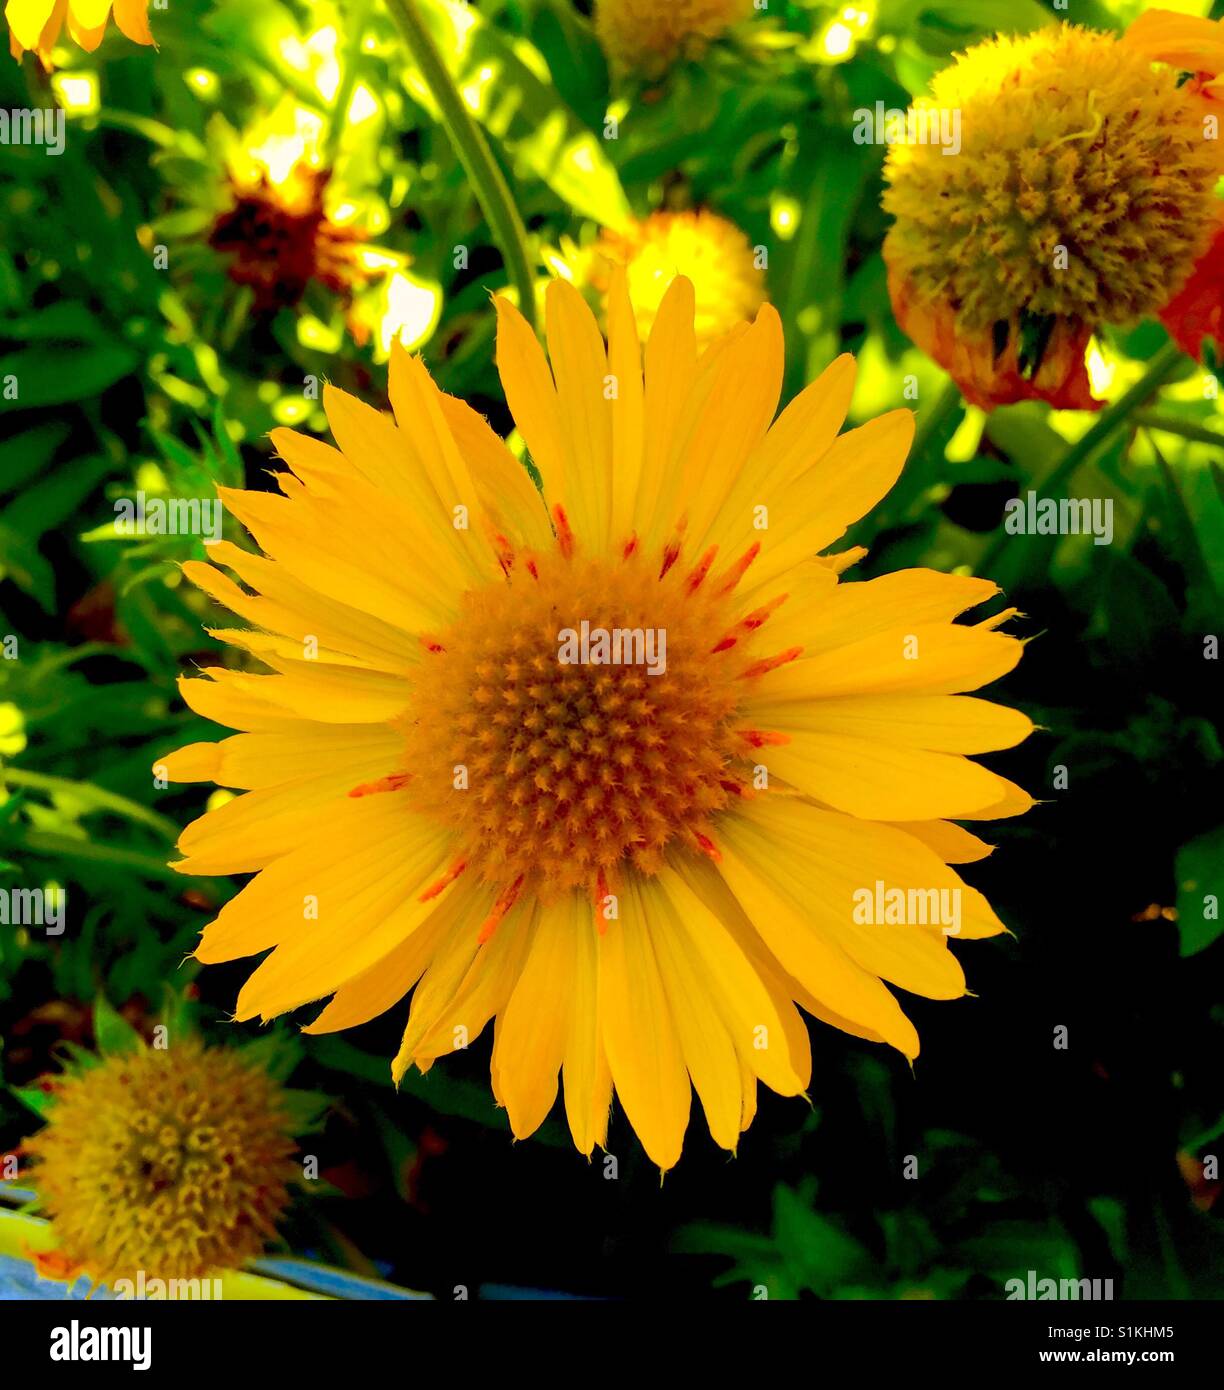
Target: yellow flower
[(173, 1161), (35, 25), (637, 865), (728, 283), (647, 37), (1081, 194)]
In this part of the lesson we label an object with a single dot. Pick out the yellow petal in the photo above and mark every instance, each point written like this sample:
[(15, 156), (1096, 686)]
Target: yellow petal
[(927, 659), (26, 19), (533, 1027), (132, 19), (509, 496), (628, 407), (580, 367), (386, 982), (953, 843), (639, 1037), (531, 396), (586, 1074)]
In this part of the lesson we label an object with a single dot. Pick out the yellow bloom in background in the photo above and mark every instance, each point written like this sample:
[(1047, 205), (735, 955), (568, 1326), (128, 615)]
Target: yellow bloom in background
[(35, 25), (639, 866), (728, 283), (647, 37), (1082, 193), (174, 1162)]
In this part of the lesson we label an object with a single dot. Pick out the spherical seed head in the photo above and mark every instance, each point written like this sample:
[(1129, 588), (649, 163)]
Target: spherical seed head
[(172, 1161), (728, 283), (1068, 139), (574, 771), (648, 36)]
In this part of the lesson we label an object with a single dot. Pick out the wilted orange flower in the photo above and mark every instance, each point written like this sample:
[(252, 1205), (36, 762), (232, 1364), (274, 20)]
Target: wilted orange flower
[(278, 237), (1082, 193), (1195, 314)]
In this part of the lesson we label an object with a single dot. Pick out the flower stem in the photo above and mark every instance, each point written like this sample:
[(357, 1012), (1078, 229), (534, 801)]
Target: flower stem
[(348, 81), (1159, 369), (933, 419), (1112, 418), (484, 174), (1170, 424), (92, 798)]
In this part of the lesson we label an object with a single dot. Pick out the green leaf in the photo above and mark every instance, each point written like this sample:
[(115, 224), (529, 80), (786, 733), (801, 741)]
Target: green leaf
[(21, 562), (942, 26), (34, 1098), (522, 111), (814, 1246), (30, 453), (1139, 614), (55, 376), (1200, 885), (112, 1032)]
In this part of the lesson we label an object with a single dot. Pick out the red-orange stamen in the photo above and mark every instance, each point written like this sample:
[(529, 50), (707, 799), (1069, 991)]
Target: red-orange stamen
[(504, 903), (393, 782), (770, 663), (737, 570), (762, 738), (565, 536), (504, 551), (703, 568), (671, 553), (709, 847), (445, 881)]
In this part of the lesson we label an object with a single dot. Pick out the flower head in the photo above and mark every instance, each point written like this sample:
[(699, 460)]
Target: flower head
[(278, 239), (1082, 194), (277, 226), (728, 282), (175, 1161), (35, 25), (646, 37), (618, 765)]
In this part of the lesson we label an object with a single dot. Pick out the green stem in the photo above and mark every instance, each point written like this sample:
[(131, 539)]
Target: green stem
[(155, 132), (95, 798), (1107, 423), (348, 80), (69, 847), (931, 421), (1170, 424), (1159, 369), (484, 174)]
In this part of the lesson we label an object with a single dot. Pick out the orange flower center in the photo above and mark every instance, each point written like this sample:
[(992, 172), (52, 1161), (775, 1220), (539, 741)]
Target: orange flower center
[(580, 718)]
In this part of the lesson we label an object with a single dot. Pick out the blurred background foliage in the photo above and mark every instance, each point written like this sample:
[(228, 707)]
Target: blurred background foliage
[(146, 364)]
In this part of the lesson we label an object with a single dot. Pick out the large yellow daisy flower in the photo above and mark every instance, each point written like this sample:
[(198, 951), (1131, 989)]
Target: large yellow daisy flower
[(35, 25), (638, 866)]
